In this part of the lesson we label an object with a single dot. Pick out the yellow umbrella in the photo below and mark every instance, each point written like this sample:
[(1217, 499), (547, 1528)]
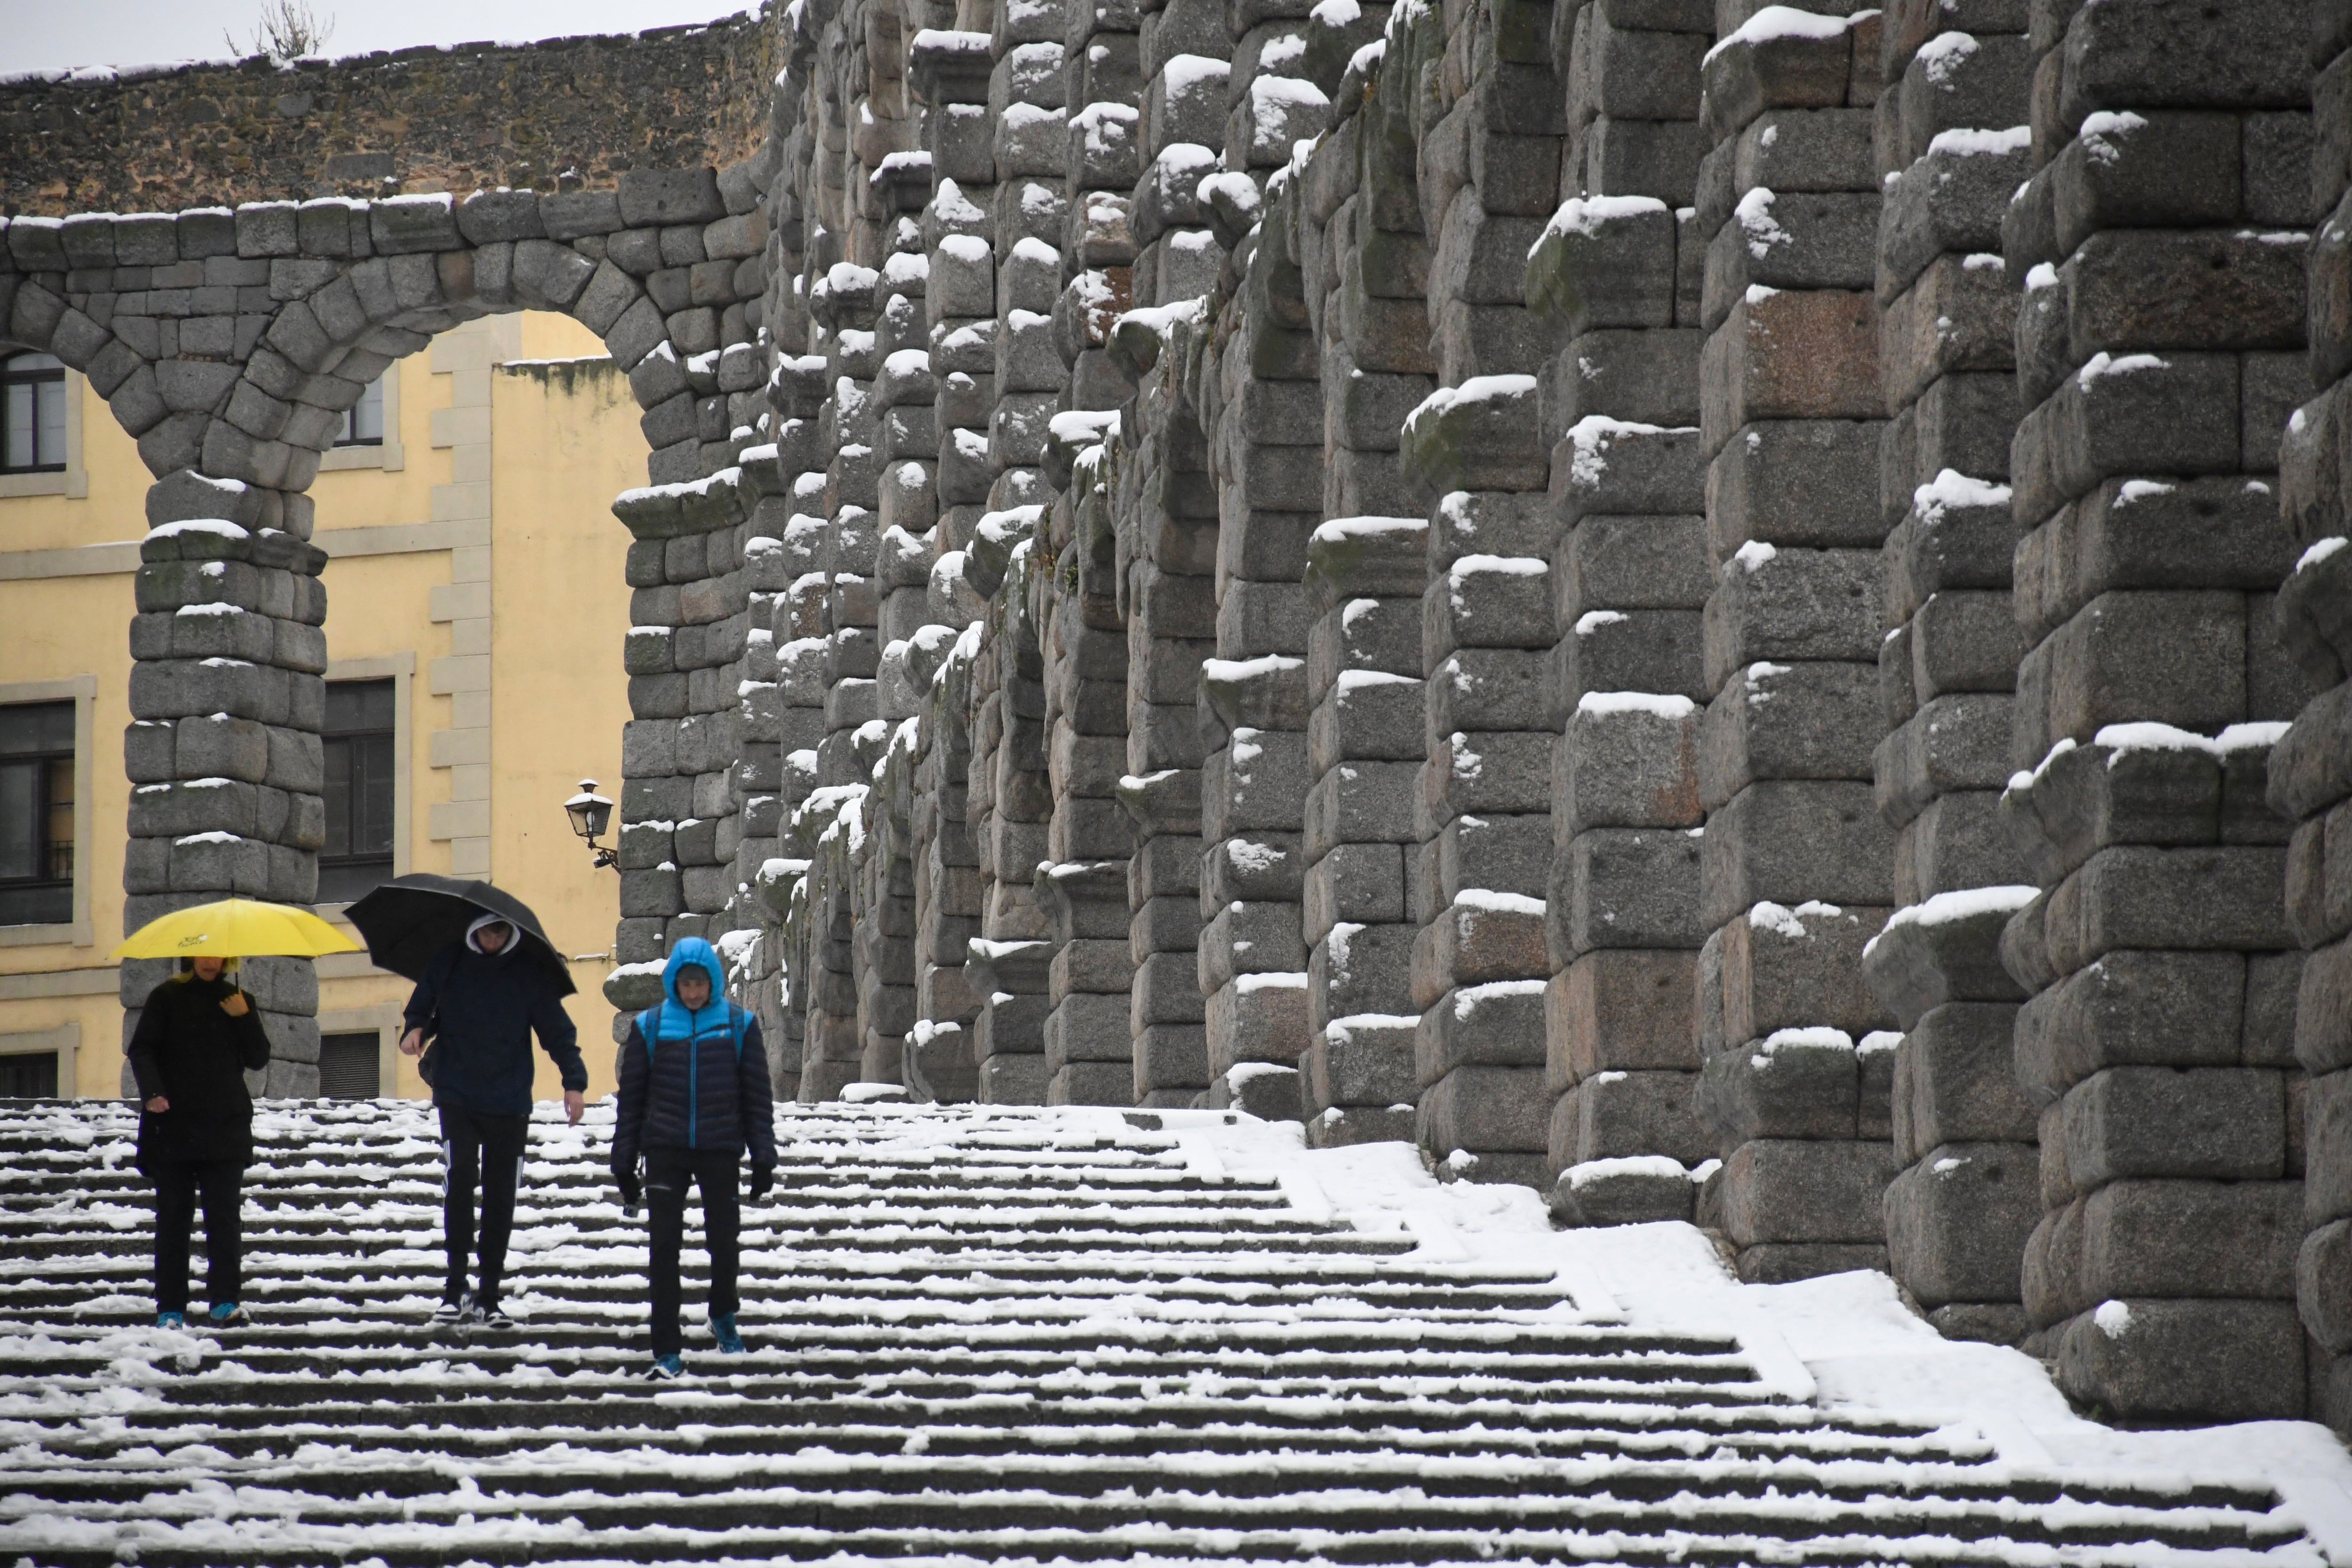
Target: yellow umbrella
[(237, 928)]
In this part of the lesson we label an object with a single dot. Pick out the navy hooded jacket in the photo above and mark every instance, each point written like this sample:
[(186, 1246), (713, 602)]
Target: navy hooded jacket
[(480, 1009), (694, 1080)]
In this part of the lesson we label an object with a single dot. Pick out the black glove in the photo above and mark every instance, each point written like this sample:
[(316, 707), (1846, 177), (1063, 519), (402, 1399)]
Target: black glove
[(763, 1178), (627, 1182)]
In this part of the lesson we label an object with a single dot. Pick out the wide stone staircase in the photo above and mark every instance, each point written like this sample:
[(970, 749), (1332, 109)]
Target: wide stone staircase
[(979, 1334)]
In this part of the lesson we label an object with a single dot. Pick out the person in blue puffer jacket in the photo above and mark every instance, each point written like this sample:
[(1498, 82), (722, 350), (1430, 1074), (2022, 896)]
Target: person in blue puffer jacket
[(694, 1097)]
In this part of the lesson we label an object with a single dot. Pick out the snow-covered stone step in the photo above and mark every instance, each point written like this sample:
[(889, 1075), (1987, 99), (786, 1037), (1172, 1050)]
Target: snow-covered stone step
[(575, 1184), (288, 1372), (980, 1336), (827, 1295), (911, 1237), (1305, 1347), (1725, 1496), (130, 1449), (323, 1382), (1177, 1423), (755, 1519), (275, 1230), (84, 1284), (593, 1194)]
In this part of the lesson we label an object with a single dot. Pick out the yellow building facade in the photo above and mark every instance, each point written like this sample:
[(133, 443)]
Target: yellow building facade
[(474, 594)]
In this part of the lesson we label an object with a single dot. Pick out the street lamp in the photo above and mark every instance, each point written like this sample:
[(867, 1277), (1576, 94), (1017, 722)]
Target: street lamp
[(590, 814)]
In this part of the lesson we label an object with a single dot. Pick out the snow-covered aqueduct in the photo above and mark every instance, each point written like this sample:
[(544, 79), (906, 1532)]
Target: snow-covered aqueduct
[(1729, 611)]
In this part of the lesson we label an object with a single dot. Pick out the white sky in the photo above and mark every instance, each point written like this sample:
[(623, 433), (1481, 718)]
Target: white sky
[(45, 34)]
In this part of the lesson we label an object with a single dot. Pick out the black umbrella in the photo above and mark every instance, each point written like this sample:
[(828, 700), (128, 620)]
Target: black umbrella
[(409, 918)]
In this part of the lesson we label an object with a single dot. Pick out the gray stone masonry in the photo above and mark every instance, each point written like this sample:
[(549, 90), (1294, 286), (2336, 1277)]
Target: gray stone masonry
[(1614, 278), (1681, 601), (2309, 780), (1487, 143), (2160, 247), (1953, 143), (1795, 860), (229, 343)]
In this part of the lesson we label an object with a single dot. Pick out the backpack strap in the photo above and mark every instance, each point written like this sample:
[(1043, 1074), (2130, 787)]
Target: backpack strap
[(739, 1029)]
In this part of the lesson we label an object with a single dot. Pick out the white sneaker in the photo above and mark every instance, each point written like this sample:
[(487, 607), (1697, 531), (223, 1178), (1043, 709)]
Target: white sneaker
[(453, 1308)]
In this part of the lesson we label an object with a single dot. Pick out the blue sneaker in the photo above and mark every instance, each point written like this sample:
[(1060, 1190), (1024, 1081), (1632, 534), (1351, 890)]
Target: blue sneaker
[(171, 1319), (225, 1313), (722, 1329), (668, 1368)]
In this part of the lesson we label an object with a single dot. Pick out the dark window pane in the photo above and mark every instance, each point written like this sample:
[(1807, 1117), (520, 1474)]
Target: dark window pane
[(37, 813), (341, 881), (357, 853), (349, 1066), (49, 433), (33, 729), (16, 437), (32, 1076), (20, 821), (338, 795), (35, 903), (372, 782), (354, 705), (60, 823)]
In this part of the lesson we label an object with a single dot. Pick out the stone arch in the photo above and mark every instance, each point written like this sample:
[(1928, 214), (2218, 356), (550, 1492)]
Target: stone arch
[(229, 343)]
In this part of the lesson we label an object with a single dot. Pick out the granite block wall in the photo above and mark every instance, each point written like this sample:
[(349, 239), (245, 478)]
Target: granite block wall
[(2157, 1043), (1728, 611), (2307, 781)]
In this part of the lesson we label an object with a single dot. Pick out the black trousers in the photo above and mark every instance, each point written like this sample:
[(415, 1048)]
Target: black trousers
[(667, 1174), (487, 1150), (178, 1183)]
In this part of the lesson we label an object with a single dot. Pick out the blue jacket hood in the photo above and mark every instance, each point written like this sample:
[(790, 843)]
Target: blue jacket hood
[(678, 1020), (694, 950)]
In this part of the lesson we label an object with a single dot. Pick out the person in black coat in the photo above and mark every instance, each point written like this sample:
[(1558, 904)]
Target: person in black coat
[(197, 1038), (694, 1097), (480, 1001)]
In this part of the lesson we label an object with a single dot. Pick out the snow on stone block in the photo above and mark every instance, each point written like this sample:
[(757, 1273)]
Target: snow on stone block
[(1632, 1190), (1604, 261), (1484, 434), (1947, 948)]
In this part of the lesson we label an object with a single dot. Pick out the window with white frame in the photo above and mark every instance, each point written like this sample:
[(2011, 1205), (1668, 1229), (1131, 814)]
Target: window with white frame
[(358, 739), (32, 415), (29, 1075), (364, 420), (37, 813)]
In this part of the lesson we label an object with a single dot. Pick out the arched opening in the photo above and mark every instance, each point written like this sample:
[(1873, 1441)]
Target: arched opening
[(460, 530)]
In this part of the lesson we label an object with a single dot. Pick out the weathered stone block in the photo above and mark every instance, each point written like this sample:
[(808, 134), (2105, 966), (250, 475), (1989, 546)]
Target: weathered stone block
[(2221, 1124), (1800, 1191), (1956, 1222), (2186, 1360), (1617, 1010), (1624, 887), (1789, 842)]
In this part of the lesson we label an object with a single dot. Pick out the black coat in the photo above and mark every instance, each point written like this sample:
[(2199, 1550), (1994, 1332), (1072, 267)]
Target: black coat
[(481, 1010), (704, 1093), (194, 1055)]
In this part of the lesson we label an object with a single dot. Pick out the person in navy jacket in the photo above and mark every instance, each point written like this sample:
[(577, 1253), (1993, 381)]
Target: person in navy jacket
[(694, 1097), (480, 1001)]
